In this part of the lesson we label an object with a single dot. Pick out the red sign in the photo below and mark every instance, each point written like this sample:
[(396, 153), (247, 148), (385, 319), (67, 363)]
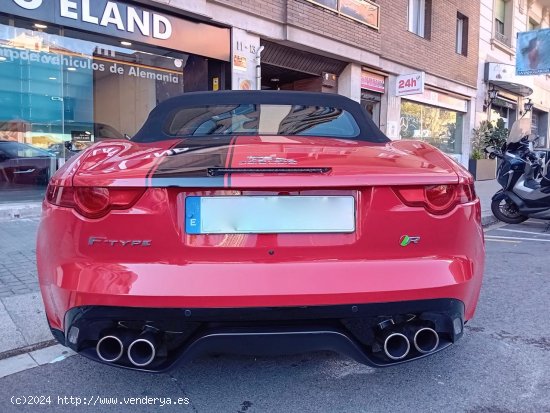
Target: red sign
[(372, 81)]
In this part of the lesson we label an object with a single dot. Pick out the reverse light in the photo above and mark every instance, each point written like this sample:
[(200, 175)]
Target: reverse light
[(436, 199), (91, 201)]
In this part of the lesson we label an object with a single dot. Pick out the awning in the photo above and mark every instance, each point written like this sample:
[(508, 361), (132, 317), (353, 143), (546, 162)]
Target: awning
[(504, 76), (288, 58)]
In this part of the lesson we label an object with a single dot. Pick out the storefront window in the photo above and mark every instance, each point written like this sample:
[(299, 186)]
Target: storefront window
[(539, 127), (437, 126), (507, 114), (60, 94)]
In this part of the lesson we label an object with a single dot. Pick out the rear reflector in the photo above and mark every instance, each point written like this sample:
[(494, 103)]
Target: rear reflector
[(93, 202), (436, 199)]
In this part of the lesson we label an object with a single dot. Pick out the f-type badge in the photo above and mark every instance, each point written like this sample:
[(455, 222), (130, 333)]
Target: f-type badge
[(119, 242), (407, 240)]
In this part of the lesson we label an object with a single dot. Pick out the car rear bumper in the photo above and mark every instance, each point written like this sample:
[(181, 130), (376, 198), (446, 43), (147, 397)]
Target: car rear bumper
[(180, 334), (242, 285)]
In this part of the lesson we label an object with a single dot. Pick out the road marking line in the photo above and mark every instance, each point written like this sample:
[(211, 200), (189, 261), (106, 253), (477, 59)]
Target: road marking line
[(522, 232), (494, 226), (503, 240), (532, 223), (518, 238)]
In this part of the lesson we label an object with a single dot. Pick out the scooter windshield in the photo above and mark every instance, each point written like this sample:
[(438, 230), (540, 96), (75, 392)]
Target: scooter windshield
[(520, 128)]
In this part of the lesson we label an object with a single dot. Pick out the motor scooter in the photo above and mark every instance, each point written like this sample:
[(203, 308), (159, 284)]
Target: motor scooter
[(524, 175)]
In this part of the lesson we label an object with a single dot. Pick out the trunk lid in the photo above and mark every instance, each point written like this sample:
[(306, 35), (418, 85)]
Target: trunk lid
[(262, 162)]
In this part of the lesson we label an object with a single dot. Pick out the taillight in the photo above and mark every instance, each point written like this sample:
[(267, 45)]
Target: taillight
[(436, 199), (92, 201)]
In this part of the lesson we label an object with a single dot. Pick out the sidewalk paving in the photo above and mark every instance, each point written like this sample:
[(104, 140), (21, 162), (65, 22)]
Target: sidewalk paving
[(485, 191), (23, 323), (22, 315), (18, 256)]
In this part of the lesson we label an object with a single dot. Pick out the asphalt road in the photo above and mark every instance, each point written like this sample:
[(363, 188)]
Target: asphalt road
[(501, 365)]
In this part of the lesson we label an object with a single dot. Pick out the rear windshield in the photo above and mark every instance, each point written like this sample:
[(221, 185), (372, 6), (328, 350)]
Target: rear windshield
[(261, 119)]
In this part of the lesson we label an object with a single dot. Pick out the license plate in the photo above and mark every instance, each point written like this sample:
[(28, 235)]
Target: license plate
[(269, 214)]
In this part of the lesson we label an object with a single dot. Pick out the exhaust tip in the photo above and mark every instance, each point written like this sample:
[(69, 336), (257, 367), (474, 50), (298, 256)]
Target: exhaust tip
[(396, 346), (109, 348), (426, 340), (141, 352)]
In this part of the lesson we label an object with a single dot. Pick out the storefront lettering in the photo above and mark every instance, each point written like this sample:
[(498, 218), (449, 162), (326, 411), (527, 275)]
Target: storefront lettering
[(145, 74), (148, 23), (28, 4), (85, 63)]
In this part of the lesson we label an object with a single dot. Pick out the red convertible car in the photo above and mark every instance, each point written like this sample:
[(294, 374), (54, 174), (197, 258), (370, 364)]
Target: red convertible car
[(259, 222)]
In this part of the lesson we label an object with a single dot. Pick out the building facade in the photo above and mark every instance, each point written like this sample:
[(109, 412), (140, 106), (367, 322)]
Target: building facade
[(359, 49), (501, 21), (81, 71), (76, 72)]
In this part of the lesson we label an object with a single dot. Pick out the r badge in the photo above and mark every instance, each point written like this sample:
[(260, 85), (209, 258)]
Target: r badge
[(406, 240)]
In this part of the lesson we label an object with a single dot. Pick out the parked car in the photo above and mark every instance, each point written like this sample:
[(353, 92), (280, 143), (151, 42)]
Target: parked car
[(62, 150), (91, 133), (259, 222), (24, 164)]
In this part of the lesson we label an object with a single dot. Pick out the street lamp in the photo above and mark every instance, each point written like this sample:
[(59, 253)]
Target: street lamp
[(528, 106), (492, 95)]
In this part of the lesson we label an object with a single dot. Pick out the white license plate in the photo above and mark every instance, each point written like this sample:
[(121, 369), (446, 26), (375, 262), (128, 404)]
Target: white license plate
[(269, 214)]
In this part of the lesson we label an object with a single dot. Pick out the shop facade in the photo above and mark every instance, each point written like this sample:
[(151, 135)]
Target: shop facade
[(74, 73), (501, 93), (437, 111), (340, 47), (510, 91), (437, 118), (83, 70)]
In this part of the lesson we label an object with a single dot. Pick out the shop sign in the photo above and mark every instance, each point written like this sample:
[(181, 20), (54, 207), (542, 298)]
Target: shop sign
[(244, 49), (532, 50), (442, 100), (504, 103), (363, 11), (81, 136), (128, 22), (372, 81), (239, 62), (411, 84), (500, 72)]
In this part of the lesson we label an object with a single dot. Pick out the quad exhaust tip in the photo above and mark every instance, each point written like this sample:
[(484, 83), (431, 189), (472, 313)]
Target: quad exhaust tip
[(396, 346), (426, 340), (141, 352), (109, 348)]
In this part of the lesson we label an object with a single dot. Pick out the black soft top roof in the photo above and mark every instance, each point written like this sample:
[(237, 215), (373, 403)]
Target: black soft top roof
[(154, 127)]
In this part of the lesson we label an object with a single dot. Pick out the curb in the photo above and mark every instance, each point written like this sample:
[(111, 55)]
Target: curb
[(11, 211), (27, 349)]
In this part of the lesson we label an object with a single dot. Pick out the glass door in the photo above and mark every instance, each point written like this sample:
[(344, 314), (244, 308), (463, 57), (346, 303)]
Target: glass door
[(371, 104)]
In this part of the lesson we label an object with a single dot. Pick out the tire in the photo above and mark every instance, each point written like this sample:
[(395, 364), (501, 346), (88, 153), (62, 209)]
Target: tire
[(506, 211)]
